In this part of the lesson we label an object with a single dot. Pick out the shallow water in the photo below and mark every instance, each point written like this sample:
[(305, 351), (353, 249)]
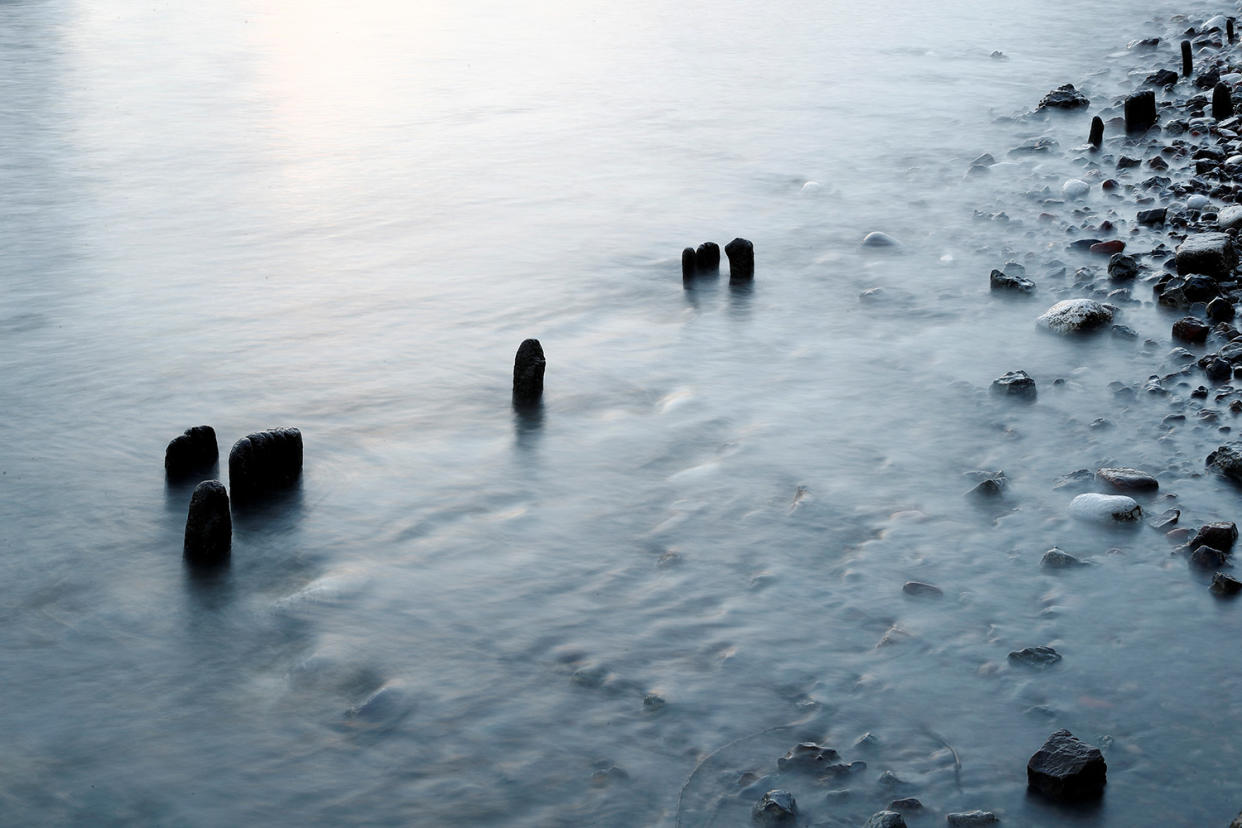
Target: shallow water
[(345, 217)]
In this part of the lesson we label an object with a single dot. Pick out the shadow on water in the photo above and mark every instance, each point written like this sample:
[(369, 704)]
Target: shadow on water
[(209, 586), (178, 490), (527, 422), (741, 298), (279, 510), (698, 285)]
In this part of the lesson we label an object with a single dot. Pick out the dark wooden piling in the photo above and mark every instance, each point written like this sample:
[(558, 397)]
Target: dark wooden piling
[(1229, 28), (208, 526), (1097, 132), (1222, 102), (741, 255), (708, 257), (528, 367), (1188, 65), (1140, 111), (688, 263)]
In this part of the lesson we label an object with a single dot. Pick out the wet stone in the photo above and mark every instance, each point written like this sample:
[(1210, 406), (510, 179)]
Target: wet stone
[(908, 805), (1035, 146), (528, 368), (777, 807), (1229, 217), (1075, 479), (885, 819), (1056, 559), (1227, 460), (1166, 520), (971, 819), (1122, 268), (1100, 508), (1075, 316), (1189, 329), (1221, 535), (1152, 218), (1210, 254), (1018, 384), (1067, 769), (922, 590), (1038, 657), (1225, 585), (1064, 97), (741, 253), (1002, 282), (1128, 480), (808, 757), (878, 239), (707, 257), (1205, 557), (265, 461), (1221, 309)]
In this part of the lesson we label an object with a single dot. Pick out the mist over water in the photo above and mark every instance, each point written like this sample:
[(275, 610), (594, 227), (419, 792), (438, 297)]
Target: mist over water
[(622, 607)]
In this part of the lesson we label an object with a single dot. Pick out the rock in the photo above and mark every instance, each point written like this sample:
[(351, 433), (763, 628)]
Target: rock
[(971, 819), (688, 264), (1225, 585), (707, 257), (808, 757), (1122, 268), (1165, 77), (265, 461), (1210, 254), (1227, 460), (1198, 202), (1101, 508), (528, 368), (1056, 559), (1140, 111), (1221, 535), (918, 588), (1156, 217), (1166, 520), (1108, 248), (1064, 97), (1001, 281), (1067, 769), (1075, 316), (1034, 146), (1075, 188), (194, 451), (877, 239), (1128, 480), (1015, 384), (885, 819), (1221, 309), (1205, 557), (1189, 329), (1237, 821), (1229, 217), (741, 255), (777, 807), (1216, 369), (908, 805), (1079, 478), (1158, 163), (209, 526), (991, 484), (1037, 657)]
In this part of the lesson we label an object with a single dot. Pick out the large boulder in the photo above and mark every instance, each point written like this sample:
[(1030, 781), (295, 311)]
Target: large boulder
[(194, 451), (208, 526), (1075, 316), (1101, 508), (1207, 253), (265, 461), (1227, 460), (1067, 769), (528, 368)]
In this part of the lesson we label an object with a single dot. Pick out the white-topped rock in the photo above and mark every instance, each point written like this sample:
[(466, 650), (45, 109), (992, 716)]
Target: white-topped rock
[(1230, 216), (1075, 316), (1101, 508), (878, 239), (1198, 202)]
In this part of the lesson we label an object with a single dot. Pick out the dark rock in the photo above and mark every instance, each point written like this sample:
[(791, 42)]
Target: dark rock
[(1035, 146), (1125, 162), (528, 368), (688, 265), (194, 451), (1123, 332), (839, 770), (921, 589), (1064, 97), (885, 819), (1158, 163), (808, 757), (1075, 479), (1205, 557), (1222, 102), (1227, 460), (1108, 248), (1096, 138), (1015, 384), (1038, 657), (1167, 519), (1140, 112), (1208, 79), (991, 484), (1067, 769), (1122, 268), (1056, 559), (1226, 585), (1221, 535), (265, 461), (1220, 309), (1189, 329), (1165, 77), (209, 526), (1001, 281), (909, 805), (1128, 480), (877, 238), (971, 819), (741, 255), (1210, 254), (707, 257), (777, 807), (1152, 218)]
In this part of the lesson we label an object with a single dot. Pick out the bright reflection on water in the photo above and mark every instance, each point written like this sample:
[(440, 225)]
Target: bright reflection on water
[(346, 216)]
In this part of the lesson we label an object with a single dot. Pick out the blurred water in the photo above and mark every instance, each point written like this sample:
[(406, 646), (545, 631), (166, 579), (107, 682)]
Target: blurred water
[(345, 217)]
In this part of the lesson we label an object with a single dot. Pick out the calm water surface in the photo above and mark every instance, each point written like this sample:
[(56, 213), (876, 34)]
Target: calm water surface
[(346, 216)]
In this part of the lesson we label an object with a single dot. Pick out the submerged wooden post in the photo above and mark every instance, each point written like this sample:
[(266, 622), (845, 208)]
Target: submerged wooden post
[(208, 526), (1222, 102), (687, 263), (1229, 28), (528, 368), (1187, 64), (741, 255), (1097, 132)]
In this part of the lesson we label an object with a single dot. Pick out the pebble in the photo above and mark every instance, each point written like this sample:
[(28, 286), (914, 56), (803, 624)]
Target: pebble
[(1221, 535), (1128, 480), (1075, 188), (1015, 384), (1205, 557)]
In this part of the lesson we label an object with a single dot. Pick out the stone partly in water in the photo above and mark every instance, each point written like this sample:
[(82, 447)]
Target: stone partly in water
[(971, 819), (1064, 97), (1096, 138), (1205, 557), (1189, 329), (1015, 384), (208, 527), (1229, 217), (878, 239), (1210, 254), (1100, 508), (528, 368), (1037, 657), (1075, 188), (194, 451), (777, 807), (999, 281), (1227, 460), (1128, 480), (741, 253), (908, 805), (1152, 218), (1075, 316), (885, 819), (1221, 309), (1056, 559), (1122, 268), (808, 757), (265, 461), (1225, 585), (1067, 769), (920, 589), (1221, 535)]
